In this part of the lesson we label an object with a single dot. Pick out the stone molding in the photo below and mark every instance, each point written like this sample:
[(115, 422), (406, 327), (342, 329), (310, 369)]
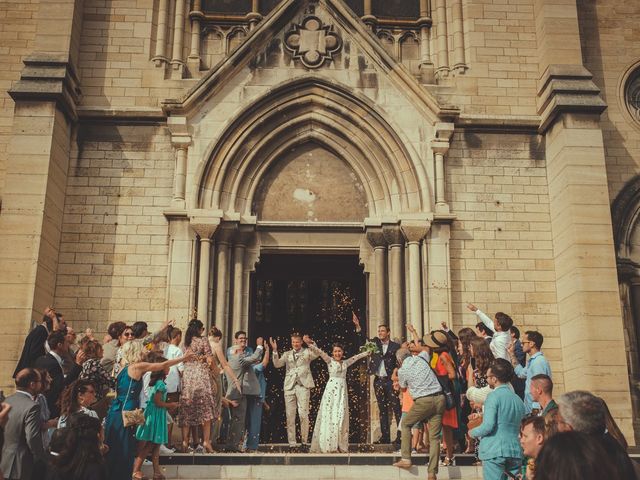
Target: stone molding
[(204, 225), (49, 78), (567, 89)]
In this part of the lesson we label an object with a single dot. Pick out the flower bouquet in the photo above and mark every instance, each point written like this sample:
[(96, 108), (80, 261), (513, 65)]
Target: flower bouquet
[(370, 347)]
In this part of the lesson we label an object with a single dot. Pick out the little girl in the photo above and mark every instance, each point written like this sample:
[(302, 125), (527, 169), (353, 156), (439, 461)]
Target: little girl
[(154, 431)]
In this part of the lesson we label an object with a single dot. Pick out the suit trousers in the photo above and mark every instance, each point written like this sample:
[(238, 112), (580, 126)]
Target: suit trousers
[(430, 410), (386, 398), (297, 399), (254, 421), (494, 468), (237, 424)]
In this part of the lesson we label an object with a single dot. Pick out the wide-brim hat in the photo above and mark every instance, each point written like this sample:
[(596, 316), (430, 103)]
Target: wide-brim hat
[(436, 339)]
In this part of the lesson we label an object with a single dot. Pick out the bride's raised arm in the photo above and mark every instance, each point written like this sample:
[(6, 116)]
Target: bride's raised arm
[(314, 348), (350, 361)]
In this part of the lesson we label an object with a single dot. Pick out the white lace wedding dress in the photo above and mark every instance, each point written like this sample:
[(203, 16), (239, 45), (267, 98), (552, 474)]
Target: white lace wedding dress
[(331, 432)]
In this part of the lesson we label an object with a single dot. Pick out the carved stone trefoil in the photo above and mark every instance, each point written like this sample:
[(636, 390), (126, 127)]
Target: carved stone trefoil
[(312, 42)]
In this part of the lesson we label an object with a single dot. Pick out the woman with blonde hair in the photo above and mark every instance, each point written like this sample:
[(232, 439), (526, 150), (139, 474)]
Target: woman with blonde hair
[(121, 439)]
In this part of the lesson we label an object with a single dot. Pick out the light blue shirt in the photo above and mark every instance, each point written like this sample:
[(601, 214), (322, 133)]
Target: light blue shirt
[(258, 368), (417, 375), (536, 365), (503, 412)]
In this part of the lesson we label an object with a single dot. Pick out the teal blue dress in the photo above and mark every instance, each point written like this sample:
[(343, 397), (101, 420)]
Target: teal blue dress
[(121, 440), (155, 428)]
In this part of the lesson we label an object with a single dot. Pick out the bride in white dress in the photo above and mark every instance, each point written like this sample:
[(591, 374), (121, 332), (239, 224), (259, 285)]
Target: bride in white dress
[(331, 432)]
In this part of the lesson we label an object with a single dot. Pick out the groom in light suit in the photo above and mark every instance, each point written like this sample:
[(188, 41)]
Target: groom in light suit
[(298, 382)]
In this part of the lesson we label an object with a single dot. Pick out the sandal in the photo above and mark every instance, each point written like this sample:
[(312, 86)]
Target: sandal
[(207, 448), (448, 462), (139, 476)]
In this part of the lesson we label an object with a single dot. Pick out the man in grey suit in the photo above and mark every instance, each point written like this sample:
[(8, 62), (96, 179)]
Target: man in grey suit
[(298, 382), (241, 362), (23, 431)]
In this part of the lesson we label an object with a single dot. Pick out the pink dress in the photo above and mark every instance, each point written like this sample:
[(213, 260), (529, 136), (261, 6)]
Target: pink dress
[(198, 396)]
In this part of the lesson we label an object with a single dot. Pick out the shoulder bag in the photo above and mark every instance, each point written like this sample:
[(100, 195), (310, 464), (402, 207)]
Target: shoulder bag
[(449, 401), (131, 418)]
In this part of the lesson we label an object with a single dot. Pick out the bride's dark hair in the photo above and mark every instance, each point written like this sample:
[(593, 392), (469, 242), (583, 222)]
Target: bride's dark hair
[(338, 345)]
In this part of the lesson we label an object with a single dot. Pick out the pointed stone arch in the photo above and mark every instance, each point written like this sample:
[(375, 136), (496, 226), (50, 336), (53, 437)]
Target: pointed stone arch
[(331, 115)]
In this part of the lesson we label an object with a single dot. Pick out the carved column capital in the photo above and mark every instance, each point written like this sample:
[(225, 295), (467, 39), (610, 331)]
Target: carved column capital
[(227, 232), (414, 232), (179, 129), (204, 226), (393, 235), (375, 236)]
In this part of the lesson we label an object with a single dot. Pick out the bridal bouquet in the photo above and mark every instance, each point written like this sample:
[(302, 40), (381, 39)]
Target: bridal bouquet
[(370, 347)]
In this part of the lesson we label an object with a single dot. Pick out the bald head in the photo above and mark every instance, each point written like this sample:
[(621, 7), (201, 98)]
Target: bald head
[(27, 378)]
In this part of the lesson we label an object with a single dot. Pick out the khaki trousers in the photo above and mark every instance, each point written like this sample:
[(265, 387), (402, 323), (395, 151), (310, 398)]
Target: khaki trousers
[(297, 399), (429, 410)]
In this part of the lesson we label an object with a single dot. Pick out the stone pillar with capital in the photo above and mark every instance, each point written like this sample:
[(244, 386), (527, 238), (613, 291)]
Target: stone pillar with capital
[(224, 239), (196, 16), (180, 139), (395, 240), (241, 240), (414, 232), (205, 228), (440, 147), (379, 311), (437, 272)]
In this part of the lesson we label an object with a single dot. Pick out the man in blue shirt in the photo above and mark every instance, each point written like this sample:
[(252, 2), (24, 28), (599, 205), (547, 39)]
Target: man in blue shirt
[(500, 449), (537, 365)]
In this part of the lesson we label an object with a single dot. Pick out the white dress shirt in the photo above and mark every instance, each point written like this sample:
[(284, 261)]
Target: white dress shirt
[(500, 341), (382, 371)]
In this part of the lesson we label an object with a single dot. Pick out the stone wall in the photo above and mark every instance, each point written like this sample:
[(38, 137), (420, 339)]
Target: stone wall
[(17, 33), (113, 252)]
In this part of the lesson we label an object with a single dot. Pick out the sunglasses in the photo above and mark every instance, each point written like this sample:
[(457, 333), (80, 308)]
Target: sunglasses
[(127, 334)]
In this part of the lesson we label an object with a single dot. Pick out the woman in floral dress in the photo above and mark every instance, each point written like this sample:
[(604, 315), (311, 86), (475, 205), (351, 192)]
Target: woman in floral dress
[(198, 406)]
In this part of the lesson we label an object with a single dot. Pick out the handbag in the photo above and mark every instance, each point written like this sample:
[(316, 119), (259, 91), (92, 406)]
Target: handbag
[(131, 418), (449, 400)]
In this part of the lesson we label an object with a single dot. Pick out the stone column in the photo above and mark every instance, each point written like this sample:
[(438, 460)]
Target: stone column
[(587, 290), (414, 233), (180, 139), (239, 249), (437, 270), (426, 64), (160, 57), (393, 236), (379, 244), (196, 16), (205, 228), (223, 241), (440, 147), (442, 68), (177, 63), (459, 62)]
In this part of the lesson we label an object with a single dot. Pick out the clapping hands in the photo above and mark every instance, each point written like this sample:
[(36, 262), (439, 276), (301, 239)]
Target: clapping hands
[(274, 344), (307, 339)]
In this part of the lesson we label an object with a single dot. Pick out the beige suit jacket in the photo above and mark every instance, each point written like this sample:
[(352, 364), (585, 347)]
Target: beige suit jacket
[(298, 370)]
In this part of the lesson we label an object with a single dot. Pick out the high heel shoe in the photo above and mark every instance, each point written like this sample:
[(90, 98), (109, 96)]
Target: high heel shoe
[(207, 447), (448, 462)]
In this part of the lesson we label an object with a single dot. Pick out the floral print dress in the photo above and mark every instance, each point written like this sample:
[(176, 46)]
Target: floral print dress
[(198, 397)]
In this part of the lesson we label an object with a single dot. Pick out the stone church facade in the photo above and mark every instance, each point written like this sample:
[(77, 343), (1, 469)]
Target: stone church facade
[(162, 158)]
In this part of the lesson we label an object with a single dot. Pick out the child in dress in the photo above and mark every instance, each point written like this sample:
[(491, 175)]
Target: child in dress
[(154, 432)]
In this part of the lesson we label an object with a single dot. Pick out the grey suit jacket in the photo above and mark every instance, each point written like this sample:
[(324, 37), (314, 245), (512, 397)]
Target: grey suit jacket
[(242, 366), (298, 369), (22, 438)]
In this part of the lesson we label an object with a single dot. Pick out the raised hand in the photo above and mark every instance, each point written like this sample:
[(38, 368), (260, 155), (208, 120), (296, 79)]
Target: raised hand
[(411, 328), (307, 339), (355, 320), (472, 307), (187, 357), (259, 341), (444, 326), (274, 344), (511, 348)]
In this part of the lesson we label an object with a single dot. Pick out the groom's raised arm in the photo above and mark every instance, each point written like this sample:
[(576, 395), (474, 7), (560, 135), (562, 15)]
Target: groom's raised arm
[(360, 336)]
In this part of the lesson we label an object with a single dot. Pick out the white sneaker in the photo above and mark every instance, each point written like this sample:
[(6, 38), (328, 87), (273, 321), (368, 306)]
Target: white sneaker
[(166, 451)]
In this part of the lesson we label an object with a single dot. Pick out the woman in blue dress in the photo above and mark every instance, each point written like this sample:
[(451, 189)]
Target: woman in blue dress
[(120, 440)]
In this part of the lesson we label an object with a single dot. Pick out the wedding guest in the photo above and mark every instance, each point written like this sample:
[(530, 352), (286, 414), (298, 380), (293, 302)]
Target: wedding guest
[(532, 435), (536, 365), (80, 457), (481, 360), (439, 346), (125, 336), (381, 366), (503, 411), (121, 440), (483, 331), (501, 338), (112, 344), (35, 343), (174, 378), (77, 398), (140, 330), (406, 402), (242, 363), (575, 456), (517, 382), (298, 382), (93, 371), (197, 399), (52, 362), (70, 350), (465, 336), (23, 431), (542, 393), (582, 411), (48, 422), (255, 411), (418, 377)]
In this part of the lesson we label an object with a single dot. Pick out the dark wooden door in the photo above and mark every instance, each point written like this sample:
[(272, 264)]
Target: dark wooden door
[(314, 295)]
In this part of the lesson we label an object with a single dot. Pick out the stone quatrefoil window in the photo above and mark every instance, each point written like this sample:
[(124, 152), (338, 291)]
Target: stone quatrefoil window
[(312, 42)]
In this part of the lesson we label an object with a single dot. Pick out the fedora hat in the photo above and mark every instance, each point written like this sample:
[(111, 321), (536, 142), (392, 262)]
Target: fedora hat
[(436, 339)]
